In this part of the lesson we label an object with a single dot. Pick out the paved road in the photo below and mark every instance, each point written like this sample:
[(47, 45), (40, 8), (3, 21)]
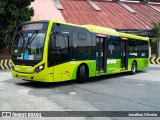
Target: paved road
[(121, 92)]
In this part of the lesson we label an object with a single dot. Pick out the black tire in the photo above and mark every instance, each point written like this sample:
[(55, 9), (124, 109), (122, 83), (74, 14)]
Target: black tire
[(82, 74), (134, 68)]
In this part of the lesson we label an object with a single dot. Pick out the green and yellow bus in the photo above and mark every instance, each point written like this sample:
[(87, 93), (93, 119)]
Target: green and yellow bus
[(54, 51)]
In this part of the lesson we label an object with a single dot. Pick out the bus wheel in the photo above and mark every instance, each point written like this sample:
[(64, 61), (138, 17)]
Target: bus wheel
[(82, 74), (134, 68)]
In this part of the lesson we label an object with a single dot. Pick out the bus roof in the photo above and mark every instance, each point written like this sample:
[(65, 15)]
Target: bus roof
[(97, 29), (133, 36), (92, 28), (101, 30)]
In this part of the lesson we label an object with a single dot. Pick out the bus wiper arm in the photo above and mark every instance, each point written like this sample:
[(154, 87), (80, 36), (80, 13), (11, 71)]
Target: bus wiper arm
[(29, 41), (22, 39), (32, 38)]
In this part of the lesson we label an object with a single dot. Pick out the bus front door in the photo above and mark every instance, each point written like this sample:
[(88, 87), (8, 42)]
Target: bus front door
[(124, 53), (100, 55)]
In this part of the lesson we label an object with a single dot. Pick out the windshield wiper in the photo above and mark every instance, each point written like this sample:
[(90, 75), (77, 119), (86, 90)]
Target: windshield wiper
[(34, 35), (22, 39), (18, 51), (30, 40)]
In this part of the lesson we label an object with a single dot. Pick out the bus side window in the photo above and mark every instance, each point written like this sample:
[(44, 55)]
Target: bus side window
[(62, 44), (53, 44), (59, 44), (113, 47), (133, 45)]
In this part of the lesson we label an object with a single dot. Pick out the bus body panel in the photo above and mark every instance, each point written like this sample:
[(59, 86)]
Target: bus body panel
[(68, 70), (43, 76), (62, 72)]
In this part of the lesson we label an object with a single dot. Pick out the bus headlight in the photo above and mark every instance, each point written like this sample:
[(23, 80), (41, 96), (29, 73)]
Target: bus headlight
[(39, 68)]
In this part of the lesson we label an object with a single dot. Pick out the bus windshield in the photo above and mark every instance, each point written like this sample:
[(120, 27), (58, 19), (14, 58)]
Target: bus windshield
[(28, 44)]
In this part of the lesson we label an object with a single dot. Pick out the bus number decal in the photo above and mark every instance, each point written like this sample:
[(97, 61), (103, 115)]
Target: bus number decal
[(111, 61), (135, 54)]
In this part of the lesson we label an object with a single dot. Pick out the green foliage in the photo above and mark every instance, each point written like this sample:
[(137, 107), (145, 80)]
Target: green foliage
[(156, 31), (12, 13)]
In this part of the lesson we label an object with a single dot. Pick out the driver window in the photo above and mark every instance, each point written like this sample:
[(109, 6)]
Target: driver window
[(59, 44)]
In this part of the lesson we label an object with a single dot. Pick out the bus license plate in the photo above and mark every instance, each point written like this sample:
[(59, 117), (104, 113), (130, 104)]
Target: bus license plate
[(24, 78)]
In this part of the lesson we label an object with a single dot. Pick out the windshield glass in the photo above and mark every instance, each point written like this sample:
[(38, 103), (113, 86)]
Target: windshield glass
[(29, 45), (29, 41)]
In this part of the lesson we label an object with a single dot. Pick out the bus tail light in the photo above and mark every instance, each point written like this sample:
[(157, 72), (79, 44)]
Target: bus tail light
[(39, 68)]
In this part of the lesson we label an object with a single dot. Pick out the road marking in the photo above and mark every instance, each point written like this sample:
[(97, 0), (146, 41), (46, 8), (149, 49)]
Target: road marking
[(140, 84), (72, 93)]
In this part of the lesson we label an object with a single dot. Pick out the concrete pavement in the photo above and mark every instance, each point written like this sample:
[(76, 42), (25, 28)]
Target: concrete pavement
[(120, 92)]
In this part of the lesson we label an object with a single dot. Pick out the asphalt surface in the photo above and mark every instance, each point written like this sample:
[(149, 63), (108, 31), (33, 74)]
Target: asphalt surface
[(120, 92)]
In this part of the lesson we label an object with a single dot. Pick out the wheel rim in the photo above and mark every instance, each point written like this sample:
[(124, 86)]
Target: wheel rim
[(134, 68)]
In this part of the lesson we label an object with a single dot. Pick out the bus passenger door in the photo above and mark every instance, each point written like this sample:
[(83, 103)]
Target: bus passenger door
[(124, 53), (101, 58)]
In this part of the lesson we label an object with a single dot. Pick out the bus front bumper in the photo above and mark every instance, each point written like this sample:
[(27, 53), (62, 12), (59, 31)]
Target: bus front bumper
[(31, 77)]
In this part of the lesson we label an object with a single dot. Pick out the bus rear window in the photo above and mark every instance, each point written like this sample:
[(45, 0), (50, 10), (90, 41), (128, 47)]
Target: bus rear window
[(32, 26)]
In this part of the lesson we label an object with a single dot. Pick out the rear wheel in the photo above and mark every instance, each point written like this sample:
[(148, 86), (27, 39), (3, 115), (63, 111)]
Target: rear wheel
[(82, 74), (134, 68)]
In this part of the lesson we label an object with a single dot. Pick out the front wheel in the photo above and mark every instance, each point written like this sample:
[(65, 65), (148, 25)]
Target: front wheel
[(134, 68)]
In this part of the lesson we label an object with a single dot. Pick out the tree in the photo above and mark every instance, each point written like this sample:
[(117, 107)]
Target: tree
[(156, 39), (12, 13)]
